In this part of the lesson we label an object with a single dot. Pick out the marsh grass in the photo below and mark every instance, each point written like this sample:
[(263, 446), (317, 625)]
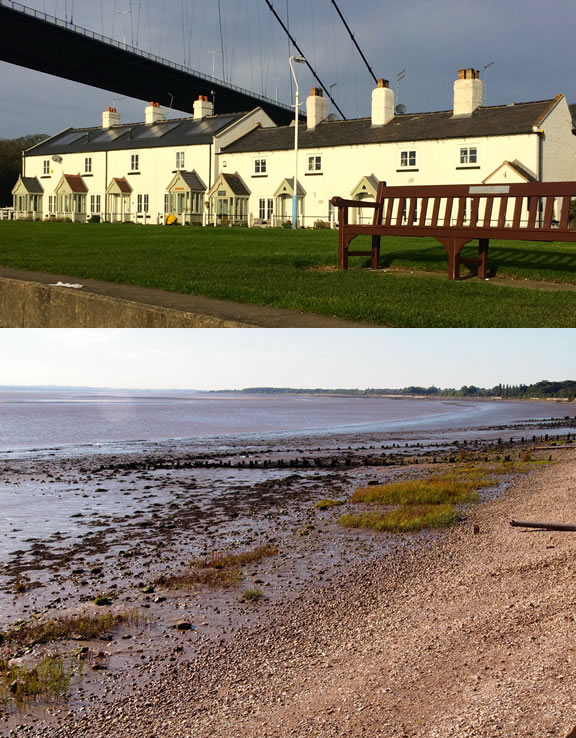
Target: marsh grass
[(49, 679), (327, 504), (408, 518), (455, 486), (216, 569), (83, 625), (252, 595)]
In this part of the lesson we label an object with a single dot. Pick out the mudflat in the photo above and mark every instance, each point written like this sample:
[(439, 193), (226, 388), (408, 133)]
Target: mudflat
[(464, 635)]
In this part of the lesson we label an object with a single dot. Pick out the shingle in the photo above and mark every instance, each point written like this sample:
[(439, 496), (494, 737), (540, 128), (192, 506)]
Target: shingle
[(502, 120), (193, 181), (75, 182)]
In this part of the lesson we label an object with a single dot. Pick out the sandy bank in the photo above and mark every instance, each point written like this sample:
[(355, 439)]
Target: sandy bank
[(474, 636)]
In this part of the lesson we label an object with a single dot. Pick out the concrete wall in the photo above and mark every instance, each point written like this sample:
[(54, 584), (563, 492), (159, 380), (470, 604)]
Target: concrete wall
[(33, 305)]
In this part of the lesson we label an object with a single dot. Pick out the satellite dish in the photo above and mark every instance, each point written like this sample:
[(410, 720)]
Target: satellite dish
[(332, 117), (56, 158), (400, 109)]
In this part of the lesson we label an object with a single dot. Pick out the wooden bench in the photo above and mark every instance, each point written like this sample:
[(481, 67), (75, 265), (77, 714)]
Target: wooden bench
[(458, 214)]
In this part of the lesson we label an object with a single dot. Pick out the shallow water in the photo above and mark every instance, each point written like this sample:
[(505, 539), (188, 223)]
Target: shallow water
[(93, 421)]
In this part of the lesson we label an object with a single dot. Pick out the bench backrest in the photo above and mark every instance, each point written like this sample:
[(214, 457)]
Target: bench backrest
[(533, 208)]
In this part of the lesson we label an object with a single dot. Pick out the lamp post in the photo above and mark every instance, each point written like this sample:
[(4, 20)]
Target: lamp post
[(298, 60)]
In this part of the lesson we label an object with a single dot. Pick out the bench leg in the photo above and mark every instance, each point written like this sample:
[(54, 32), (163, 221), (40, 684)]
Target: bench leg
[(483, 244), (342, 250), (375, 252), (453, 248)]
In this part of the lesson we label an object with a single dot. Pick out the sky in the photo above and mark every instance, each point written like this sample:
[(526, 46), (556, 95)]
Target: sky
[(528, 44), (212, 359)]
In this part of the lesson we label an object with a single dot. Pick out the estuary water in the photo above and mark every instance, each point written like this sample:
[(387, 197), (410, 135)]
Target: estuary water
[(89, 421)]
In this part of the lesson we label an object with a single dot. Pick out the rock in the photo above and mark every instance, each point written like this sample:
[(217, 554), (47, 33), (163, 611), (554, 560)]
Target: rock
[(184, 625)]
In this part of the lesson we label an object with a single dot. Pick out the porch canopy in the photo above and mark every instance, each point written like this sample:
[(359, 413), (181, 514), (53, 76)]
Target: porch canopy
[(228, 198), (185, 196), (71, 196), (27, 194)]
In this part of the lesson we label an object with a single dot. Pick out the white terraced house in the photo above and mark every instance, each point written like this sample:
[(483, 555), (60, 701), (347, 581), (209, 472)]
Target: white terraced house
[(231, 169)]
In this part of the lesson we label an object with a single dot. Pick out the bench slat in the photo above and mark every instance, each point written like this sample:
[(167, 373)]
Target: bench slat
[(502, 213), (448, 211), (548, 212), (412, 210), (565, 213), (389, 209), (400, 212), (532, 211), (474, 211), (517, 212), (436, 211), (423, 211), (488, 211), (461, 211)]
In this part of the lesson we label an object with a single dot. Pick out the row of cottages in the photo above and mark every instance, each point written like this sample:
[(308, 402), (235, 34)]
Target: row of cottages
[(239, 169)]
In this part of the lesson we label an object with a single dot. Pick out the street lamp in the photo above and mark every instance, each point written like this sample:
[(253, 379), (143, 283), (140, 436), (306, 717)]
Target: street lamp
[(298, 60)]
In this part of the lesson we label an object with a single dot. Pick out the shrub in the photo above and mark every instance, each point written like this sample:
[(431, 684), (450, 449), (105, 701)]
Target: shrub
[(94, 219), (252, 595), (327, 504)]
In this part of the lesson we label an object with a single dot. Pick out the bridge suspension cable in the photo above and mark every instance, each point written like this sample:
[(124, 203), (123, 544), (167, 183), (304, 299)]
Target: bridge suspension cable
[(310, 67), (354, 40)]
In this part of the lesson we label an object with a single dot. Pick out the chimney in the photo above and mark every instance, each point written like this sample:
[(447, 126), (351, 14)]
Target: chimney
[(468, 92), (382, 104), (202, 107), (110, 118), (316, 107), (153, 113)]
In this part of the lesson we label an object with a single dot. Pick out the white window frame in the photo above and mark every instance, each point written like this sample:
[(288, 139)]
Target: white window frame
[(469, 155), (94, 203), (134, 162), (46, 166), (142, 203), (408, 159), (260, 166), (180, 160), (88, 165), (315, 163)]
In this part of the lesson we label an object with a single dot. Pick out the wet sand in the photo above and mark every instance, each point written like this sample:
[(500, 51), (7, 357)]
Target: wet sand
[(254, 670)]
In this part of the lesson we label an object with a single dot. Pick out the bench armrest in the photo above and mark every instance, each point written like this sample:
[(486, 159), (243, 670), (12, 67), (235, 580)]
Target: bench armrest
[(339, 202)]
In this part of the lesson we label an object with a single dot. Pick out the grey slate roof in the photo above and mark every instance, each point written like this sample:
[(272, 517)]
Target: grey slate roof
[(502, 120), (180, 132), (32, 185), (193, 181), (234, 181)]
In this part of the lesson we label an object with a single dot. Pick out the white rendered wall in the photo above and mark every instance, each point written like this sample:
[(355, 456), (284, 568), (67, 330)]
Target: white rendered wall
[(559, 145)]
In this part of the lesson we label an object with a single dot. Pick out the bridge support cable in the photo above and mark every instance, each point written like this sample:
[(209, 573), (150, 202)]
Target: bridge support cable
[(354, 40), (310, 67)]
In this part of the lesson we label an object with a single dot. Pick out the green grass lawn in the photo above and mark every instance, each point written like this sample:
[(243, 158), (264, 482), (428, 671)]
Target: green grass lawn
[(295, 270)]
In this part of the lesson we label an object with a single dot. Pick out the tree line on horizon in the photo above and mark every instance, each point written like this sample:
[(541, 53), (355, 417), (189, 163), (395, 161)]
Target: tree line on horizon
[(542, 390)]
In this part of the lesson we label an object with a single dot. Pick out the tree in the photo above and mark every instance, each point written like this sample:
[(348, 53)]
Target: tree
[(11, 162)]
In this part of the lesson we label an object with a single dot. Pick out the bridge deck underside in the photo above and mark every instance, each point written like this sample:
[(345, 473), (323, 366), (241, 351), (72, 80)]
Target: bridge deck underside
[(37, 44)]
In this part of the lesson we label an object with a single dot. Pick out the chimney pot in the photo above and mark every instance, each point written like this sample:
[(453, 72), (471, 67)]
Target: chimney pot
[(316, 91), (383, 83)]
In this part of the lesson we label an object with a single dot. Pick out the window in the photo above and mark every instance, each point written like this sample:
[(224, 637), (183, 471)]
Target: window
[(259, 166), (51, 203), (135, 162), (469, 155), (88, 165), (142, 202), (315, 163), (265, 208), (179, 160), (46, 166), (167, 206), (94, 203), (407, 158)]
